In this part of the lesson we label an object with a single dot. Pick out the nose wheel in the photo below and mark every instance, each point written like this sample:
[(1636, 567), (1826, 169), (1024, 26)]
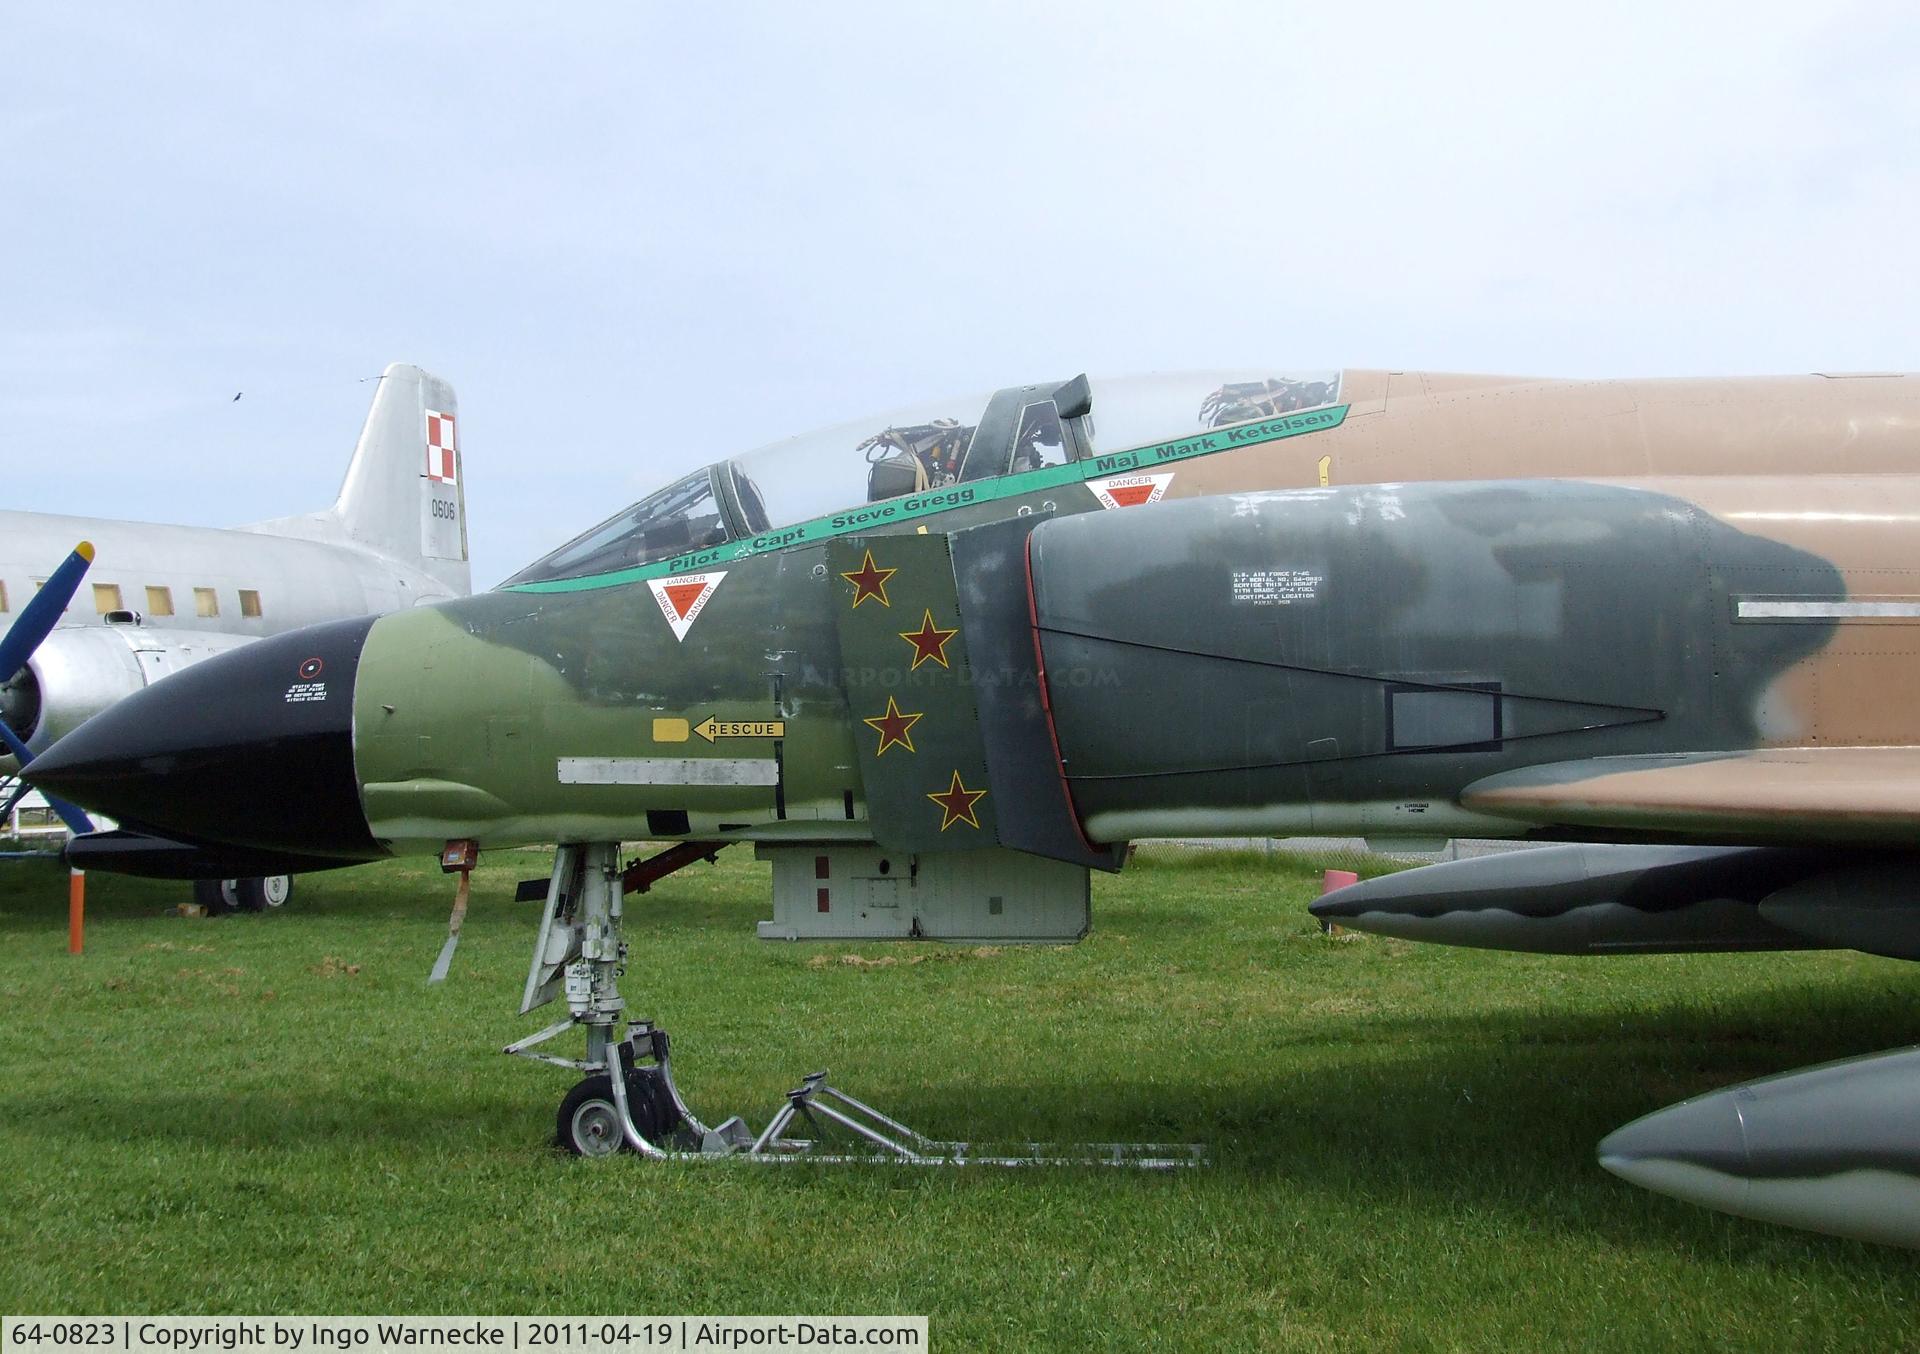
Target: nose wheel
[(588, 1124), (589, 1121)]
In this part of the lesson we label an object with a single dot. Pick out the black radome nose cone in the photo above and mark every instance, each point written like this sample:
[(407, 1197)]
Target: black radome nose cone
[(251, 748)]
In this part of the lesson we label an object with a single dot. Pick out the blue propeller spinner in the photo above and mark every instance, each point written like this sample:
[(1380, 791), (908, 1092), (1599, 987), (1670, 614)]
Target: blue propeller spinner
[(36, 621)]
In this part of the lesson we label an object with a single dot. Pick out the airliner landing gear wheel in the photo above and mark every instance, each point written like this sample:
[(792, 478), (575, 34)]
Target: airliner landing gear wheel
[(255, 895), (216, 895)]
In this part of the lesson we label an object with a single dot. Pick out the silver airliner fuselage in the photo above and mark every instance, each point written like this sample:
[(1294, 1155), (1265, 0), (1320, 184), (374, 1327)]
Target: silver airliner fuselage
[(161, 597), (245, 581)]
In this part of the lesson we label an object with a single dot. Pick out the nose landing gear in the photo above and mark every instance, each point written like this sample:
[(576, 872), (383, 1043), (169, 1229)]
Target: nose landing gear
[(628, 1099)]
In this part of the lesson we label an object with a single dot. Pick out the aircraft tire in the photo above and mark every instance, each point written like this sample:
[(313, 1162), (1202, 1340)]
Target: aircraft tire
[(257, 895), (215, 895), (588, 1124)]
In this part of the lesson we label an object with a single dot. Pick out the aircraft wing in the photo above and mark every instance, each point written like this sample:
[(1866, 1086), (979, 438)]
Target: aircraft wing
[(1859, 796)]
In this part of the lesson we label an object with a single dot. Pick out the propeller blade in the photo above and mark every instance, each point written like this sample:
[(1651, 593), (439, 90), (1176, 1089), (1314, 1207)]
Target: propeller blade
[(70, 814), (35, 622), (43, 610)]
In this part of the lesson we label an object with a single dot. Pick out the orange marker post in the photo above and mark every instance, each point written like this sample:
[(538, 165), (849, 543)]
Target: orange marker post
[(76, 910), (1329, 881)]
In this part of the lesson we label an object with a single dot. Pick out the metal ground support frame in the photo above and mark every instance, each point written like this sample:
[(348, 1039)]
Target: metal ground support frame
[(814, 1100), (581, 952)]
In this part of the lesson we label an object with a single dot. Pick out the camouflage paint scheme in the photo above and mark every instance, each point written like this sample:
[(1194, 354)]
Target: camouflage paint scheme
[(1516, 575), (1672, 616)]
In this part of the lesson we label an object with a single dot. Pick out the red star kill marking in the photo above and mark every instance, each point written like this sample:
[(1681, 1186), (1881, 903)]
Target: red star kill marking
[(895, 728), (870, 580), (929, 641), (956, 804)]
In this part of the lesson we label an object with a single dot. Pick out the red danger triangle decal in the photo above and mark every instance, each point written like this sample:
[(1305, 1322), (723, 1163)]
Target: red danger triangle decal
[(683, 597), (1130, 491)]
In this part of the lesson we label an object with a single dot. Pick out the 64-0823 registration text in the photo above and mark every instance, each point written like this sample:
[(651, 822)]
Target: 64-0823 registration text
[(376, 1334)]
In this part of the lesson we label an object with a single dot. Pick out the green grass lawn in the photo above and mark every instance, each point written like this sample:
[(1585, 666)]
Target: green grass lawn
[(275, 1114)]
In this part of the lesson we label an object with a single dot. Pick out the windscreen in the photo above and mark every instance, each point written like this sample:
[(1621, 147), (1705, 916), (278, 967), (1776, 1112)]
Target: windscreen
[(673, 521), (877, 458)]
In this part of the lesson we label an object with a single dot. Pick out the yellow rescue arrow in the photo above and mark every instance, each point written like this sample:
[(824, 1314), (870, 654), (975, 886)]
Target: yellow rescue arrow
[(712, 729)]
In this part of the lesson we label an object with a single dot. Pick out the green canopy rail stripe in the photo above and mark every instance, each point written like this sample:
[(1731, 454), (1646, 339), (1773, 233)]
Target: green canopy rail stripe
[(910, 507)]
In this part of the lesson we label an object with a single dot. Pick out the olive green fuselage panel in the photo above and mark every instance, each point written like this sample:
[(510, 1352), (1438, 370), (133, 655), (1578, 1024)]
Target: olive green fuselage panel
[(909, 683)]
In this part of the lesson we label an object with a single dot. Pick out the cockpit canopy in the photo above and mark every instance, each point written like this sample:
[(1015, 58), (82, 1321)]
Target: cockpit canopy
[(1011, 431), (671, 521)]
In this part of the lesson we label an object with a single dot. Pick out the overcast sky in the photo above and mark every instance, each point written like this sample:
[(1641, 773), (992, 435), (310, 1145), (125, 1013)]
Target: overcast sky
[(639, 237)]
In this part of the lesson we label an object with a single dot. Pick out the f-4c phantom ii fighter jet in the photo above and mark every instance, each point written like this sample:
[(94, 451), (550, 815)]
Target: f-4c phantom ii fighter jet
[(940, 665)]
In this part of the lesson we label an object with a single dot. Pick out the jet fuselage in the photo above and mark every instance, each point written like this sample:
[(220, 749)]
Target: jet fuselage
[(1576, 551)]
